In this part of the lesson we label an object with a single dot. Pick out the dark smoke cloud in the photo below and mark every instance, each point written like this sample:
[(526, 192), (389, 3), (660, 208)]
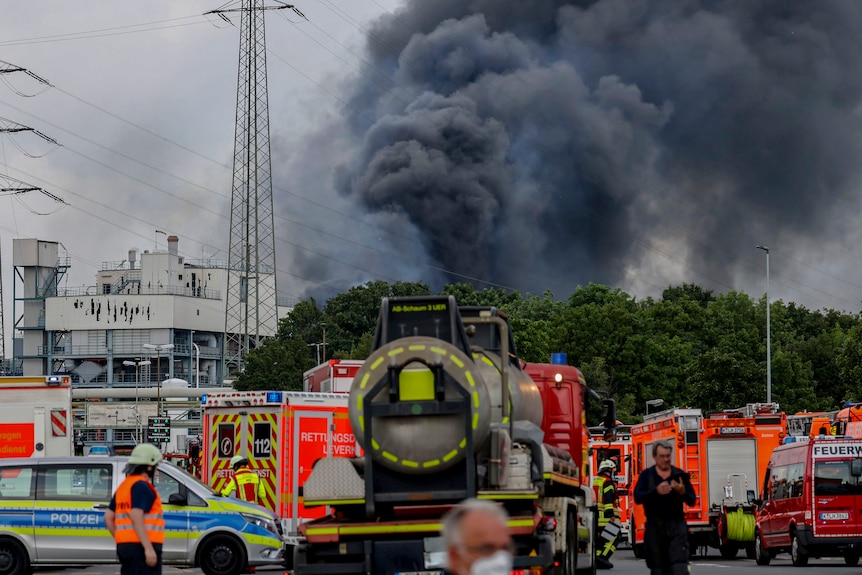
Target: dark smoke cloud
[(545, 144)]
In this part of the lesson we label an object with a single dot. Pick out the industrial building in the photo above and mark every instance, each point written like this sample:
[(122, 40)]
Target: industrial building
[(153, 319)]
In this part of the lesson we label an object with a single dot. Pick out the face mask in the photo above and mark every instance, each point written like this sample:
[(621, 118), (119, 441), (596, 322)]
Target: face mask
[(500, 563)]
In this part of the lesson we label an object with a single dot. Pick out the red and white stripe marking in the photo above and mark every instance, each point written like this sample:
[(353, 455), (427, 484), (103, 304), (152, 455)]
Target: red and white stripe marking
[(58, 423)]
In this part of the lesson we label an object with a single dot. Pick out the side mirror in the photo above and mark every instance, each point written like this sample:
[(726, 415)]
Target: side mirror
[(856, 467), (177, 499), (751, 497)]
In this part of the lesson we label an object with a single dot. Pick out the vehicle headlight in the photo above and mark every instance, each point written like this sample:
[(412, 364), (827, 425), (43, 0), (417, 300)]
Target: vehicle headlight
[(262, 522)]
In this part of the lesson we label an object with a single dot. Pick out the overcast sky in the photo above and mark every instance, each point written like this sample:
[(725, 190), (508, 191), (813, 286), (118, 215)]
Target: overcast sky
[(533, 145)]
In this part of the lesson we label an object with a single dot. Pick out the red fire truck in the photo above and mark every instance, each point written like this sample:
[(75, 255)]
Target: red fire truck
[(334, 376), (725, 453), (282, 433), (618, 450)]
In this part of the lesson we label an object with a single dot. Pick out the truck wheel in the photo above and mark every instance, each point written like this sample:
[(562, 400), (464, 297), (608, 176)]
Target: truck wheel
[(221, 555), (851, 559), (797, 556), (761, 555), (13, 558), (569, 559), (573, 537), (750, 550), (729, 550)]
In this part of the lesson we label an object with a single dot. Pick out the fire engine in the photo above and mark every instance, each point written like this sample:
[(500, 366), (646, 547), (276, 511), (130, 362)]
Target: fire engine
[(282, 434), (725, 454), (36, 416), (444, 416), (618, 449), (334, 376)]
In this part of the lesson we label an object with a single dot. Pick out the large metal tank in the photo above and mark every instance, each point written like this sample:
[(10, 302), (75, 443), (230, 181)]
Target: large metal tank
[(416, 443), (525, 400)]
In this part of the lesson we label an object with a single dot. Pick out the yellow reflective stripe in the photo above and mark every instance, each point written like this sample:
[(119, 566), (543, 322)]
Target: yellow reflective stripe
[(438, 350), (389, 456), (396, 351), (362, 385), (309, 502), (377, 363), (457, 361), (416, 347), (322, 531)]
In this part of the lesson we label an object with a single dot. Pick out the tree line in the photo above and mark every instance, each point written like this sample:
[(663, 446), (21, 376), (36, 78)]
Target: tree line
[(690, 348)]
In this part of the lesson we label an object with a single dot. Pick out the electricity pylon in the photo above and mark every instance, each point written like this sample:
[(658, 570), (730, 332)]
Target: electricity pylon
[(251, 312)]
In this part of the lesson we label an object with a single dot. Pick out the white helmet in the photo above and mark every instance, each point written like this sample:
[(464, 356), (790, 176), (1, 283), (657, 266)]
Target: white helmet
[(145, 454), (607, 464), (237, 459)]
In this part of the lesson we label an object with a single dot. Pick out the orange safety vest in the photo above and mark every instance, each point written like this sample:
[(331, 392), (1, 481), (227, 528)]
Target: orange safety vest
[(154, 521), (247, 484)]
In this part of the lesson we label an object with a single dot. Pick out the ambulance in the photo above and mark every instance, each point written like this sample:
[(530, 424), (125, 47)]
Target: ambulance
[(282, 433), (618, 450), (812, 501), (36, 416), (52, 513)]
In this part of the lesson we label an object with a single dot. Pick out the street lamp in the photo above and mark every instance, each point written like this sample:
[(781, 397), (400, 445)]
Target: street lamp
[(197, 365), (159, 348), (137, 365), (768, 339), (653, 403), (324, 342)]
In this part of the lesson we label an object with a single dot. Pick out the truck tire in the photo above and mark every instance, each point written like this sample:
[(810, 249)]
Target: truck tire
[(729, 550), (13, 558), (750, 550), (221, 555), (798, 556), (568, 560), (761, 555)]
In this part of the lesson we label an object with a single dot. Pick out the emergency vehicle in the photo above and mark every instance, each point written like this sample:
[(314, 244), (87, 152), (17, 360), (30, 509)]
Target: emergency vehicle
[(36, 416), (619, 450), (52, 513), (725, 454), (810, 505), (334, 376), (282, 434)]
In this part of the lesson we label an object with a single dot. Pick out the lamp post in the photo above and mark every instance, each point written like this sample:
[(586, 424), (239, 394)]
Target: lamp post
[(324, 342), (137, 364), (653, 403), (159, 348), (768, 329), (197, 365)]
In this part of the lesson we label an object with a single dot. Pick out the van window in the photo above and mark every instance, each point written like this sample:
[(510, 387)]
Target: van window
[(16, 483), (778, 482), (165, 485), (795, 479), (74, 483), (833, 478)]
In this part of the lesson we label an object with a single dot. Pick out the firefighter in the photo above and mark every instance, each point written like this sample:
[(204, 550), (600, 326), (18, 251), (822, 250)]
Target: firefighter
[(245, 482), (610, 526)]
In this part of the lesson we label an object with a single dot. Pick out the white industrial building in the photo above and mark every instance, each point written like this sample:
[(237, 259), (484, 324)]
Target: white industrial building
[(150, 318)]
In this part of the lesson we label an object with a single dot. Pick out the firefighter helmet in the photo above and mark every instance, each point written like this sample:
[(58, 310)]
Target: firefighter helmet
[(145, 454), (237, 460), (607, 464)]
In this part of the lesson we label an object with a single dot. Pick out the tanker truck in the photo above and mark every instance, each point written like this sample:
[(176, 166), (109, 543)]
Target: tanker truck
[(443, 410)]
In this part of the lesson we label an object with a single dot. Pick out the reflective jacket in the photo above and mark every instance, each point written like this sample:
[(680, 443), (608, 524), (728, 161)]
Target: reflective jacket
[(606, 498), (247, 485), (154, 520)]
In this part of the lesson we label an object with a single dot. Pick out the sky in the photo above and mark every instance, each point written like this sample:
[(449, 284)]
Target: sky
[(534, 145)]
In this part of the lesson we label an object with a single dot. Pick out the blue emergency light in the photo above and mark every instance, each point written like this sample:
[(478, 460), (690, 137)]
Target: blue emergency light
[(273, 397)]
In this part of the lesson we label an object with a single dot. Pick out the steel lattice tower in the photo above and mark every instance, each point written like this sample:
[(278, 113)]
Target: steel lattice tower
[(251, 313)]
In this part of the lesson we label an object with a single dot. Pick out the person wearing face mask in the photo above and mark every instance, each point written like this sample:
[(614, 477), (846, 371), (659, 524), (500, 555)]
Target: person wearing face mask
[(134, 516), (477, 539)]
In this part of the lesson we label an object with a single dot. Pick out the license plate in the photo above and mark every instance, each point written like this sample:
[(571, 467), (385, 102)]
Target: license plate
[(732, 430), (435, 572), (834, 516)]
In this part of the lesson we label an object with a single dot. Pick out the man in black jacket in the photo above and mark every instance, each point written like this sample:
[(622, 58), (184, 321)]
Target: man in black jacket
[(663, 489)]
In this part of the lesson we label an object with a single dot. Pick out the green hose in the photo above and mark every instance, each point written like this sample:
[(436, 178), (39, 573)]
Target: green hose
[(739, 525)]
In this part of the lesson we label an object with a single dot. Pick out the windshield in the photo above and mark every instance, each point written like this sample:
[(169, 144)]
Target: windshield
[(834, 478), (188, 478)]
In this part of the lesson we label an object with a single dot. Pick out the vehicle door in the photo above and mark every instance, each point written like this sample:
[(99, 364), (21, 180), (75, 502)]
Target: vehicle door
[(836, 510), (310, 441), (69, 513), (17, 496), (176, 545)]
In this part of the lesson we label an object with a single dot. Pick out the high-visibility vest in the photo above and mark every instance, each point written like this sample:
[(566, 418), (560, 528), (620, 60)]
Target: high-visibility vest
[(154, 521), (247, 485), (606, 494)]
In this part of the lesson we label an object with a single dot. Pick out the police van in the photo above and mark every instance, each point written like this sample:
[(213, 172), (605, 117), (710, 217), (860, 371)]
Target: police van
[(52, 513)]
